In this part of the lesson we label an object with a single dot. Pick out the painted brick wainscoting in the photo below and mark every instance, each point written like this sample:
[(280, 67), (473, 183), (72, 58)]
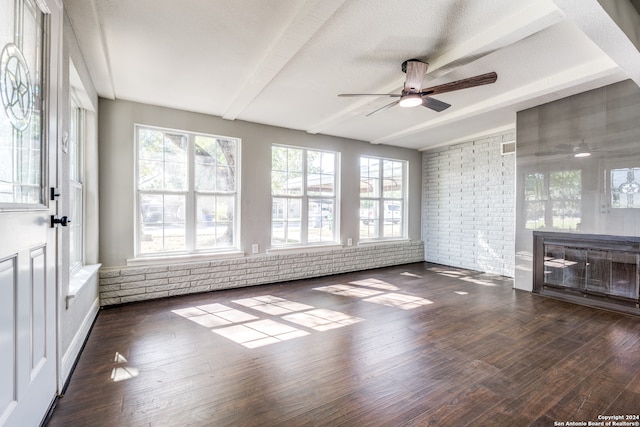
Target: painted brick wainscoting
[(127, 284), (468, 205)]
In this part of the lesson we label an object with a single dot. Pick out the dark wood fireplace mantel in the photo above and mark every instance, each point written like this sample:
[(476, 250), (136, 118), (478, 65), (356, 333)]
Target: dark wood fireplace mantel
[(589, 269)]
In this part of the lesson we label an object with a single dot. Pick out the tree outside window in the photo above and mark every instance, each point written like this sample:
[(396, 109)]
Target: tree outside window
[(187, 192)]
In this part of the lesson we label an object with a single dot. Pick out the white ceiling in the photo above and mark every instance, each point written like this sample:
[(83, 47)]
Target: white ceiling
[(283, 62)]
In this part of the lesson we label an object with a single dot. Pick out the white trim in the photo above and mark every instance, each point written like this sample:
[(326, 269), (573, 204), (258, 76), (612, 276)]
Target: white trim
[(156, 260), (70, 356), (299, 249), (80, 278), (383, 242)]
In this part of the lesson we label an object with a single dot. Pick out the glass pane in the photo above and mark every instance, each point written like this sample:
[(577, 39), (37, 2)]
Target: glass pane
[(162, 161), (625, 188), (175, 176), (150, 145), (75, 227), (162, 223), (320, 173), (215, 164), (369, 177), (624, 274), (369, 219), (21, 78), (392, 216), (286, 223), (534, 188), (321, 220), (286, 171), (74, 154), (392, 179), (215, 216), (535, 214)]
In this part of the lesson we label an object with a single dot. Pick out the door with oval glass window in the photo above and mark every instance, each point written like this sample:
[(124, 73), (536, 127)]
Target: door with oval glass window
[(29, 55)]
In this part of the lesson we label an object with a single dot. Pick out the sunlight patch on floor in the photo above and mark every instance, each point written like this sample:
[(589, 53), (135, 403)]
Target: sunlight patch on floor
[(251, 331), (348, 291), (403, 301), (375, 283), (121, 373), (260, 333), (322, 319), (272, 305)]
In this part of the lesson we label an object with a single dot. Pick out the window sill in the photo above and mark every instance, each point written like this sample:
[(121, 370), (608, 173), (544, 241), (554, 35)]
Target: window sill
[(383, 242), (135, 262), (79, 279), (299, 249)]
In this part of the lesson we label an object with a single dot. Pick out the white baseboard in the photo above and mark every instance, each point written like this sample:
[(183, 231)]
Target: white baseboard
[(70, 356)]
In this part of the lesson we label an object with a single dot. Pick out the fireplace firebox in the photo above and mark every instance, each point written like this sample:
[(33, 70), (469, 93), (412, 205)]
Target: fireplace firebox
[(595, 270)]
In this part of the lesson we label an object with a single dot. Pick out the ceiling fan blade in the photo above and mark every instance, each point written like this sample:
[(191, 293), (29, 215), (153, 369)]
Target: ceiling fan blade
[(393, 95), (415, 71), (383, 108), (434, 104), (482, 79)]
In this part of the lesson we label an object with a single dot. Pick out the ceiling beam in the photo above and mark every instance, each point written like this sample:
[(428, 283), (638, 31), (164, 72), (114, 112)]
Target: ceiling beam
[(299, 31), (620, 46), (532, 18), (84, 18)]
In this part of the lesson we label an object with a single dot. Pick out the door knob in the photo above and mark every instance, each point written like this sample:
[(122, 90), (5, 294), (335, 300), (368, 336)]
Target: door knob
[(64, 221)]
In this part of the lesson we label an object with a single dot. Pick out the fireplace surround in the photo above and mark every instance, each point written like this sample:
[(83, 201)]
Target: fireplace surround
[(588, 269)]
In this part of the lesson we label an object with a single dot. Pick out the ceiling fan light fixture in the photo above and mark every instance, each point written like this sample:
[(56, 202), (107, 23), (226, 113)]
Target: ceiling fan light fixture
[(582, 150), (412, 100), (582, 154)]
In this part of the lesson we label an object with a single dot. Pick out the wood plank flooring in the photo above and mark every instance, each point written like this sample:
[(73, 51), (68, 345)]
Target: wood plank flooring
[(412, 345)]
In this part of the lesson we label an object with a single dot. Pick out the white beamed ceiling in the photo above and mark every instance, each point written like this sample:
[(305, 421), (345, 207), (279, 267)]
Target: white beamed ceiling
[(283, 62)]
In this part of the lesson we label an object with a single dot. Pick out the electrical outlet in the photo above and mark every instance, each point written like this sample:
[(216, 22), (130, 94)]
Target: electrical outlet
[(255, 248), (349, 241)]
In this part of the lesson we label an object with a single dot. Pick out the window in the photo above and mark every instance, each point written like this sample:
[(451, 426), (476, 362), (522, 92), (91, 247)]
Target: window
[(187, 192), (382, 198), (625, 189), (304, 199), (553, 200), (76, 199)]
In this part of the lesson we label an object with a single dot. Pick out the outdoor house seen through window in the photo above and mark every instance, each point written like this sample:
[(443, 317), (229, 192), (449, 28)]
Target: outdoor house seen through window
[(304, 200), (382, 198), (187, 192)]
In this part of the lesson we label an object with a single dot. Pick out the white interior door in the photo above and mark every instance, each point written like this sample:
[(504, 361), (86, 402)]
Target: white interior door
[(29, 54)]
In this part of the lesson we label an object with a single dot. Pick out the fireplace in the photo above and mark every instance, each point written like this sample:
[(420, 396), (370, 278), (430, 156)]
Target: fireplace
[(595, 270)]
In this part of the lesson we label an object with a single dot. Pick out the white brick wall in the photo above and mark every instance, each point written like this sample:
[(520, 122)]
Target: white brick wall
[(127, 284), (468, 205)]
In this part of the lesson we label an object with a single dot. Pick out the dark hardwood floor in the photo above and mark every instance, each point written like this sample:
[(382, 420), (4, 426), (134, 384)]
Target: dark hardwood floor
[(413, 345)]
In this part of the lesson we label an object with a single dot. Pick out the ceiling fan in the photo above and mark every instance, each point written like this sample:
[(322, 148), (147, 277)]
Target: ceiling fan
[(413, 94), (581, 149)]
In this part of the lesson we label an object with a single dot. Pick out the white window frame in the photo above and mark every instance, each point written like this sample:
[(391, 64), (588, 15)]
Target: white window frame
[(190, 195), (305, 199), (382, 201), (76, 145)]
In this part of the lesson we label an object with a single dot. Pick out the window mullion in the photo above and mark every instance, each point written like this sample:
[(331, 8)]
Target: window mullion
[(190, 202), (304, 208)]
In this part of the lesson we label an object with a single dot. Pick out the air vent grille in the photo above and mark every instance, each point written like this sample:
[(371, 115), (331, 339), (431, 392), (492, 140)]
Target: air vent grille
[(508, 148)]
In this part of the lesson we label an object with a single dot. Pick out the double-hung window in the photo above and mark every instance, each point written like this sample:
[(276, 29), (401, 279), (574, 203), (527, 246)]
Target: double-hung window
[(187, 192), (304, 196), (76, 199), (383, 199)]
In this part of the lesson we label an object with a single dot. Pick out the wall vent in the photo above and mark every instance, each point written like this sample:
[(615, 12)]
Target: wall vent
[(508, 148)]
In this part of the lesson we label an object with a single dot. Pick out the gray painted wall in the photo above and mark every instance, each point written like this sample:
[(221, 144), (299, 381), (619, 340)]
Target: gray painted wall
[(76, 318), (116, 153), (606, 119), (468, 198)]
